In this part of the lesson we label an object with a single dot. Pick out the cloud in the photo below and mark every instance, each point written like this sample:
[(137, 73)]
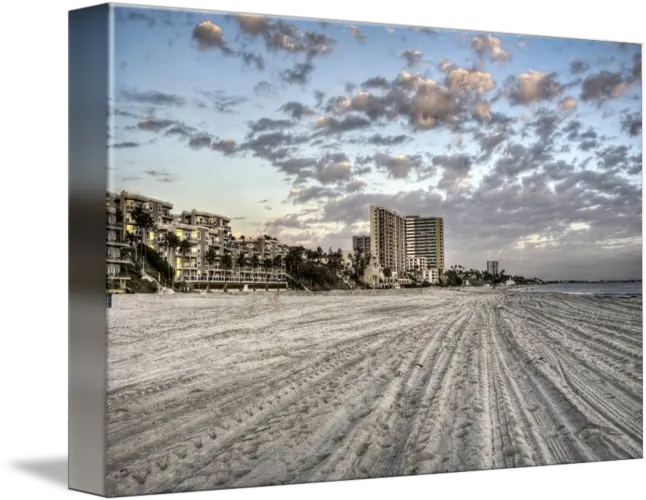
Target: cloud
[(221, 101), (603, 85), (264, 88), (264, 124), (578, 66), (534, 86), (381, 140), (333, 125), (487, 46), (378, 82), (180, 130), (356, 33), (126, 145), (299, 74), (286, 37), (226, 146), (252, 59), (433, 104), (459, 79), (307, 194), (153, 97), (135, 16), (400, 166), (201, 140), (161, 175), (210, 36), (296, 110), (413, 57), (567, 104), (253, 24), (631, 123), (154, 125)]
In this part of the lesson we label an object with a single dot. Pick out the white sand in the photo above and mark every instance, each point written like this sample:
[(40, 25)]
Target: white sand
[(223, 391)]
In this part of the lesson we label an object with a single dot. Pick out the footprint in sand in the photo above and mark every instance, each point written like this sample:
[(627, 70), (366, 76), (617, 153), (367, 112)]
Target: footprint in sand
[(462, 433)]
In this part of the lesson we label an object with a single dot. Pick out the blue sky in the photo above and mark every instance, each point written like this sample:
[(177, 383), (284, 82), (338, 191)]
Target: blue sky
[(529, 147)]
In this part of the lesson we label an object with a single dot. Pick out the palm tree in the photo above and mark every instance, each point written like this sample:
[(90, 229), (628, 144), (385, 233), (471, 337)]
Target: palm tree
[(387, 274), (255, 262), (171, 243), (210, 257), (278, 262), (241, 261), (318, 254), (144, 221), (268, 264), (132, 239), (184, 248), (227, 262)]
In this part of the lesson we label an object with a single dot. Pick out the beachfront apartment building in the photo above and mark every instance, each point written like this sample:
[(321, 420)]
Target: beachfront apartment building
[(388, 240), (116, 260), (361, 243), (425, 238), (159, 210), (205, 231)]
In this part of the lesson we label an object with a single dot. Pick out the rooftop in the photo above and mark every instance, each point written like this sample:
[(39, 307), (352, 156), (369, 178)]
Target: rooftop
[(129, 195)]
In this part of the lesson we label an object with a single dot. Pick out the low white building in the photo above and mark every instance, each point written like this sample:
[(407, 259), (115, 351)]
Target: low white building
[(510, 283), (432, 275), (416, 262)]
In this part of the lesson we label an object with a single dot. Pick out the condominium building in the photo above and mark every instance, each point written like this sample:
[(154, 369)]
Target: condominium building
[(116, 273), (160, 211), (247, 260), (361, 243), (425, 238), (387, 239), (492, 267)]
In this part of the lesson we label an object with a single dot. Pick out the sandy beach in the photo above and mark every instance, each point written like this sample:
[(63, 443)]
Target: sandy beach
[(224, 390)]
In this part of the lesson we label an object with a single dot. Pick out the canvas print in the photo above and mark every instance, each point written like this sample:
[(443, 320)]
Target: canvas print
[(338, 250)]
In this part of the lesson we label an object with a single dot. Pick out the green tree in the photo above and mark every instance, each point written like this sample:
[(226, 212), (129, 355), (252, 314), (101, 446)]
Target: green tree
[(360, 262), (210, 257), (268, 264), (144, 222), (388, 273), (227, 263), (255, 262), (170, 243), (184, 248), (241, 262)]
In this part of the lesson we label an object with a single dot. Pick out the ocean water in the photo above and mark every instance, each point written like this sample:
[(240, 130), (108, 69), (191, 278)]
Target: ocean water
[(609, 289)]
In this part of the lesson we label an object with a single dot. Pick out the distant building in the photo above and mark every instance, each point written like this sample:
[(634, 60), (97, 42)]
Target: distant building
[(425, 238), (432, 275), (414, 263), (388, 240), (492, 267), (362, 243)]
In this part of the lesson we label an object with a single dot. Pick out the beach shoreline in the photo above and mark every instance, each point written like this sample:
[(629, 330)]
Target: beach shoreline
[(225, 391)]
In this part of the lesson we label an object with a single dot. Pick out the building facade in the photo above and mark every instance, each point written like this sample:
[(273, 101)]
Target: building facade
[(388, 240), (116, 261), (425, 238), (159, 210), (492, 267), (361, 243)]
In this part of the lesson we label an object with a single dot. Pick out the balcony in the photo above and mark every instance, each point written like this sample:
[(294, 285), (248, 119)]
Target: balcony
[(118, 242), (116, 260)]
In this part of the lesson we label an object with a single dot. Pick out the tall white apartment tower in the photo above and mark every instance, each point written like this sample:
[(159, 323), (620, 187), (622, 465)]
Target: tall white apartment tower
[(388, 239), (425, 238)]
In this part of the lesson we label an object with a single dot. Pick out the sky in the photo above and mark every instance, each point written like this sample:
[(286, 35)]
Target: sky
[(529, 147)]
